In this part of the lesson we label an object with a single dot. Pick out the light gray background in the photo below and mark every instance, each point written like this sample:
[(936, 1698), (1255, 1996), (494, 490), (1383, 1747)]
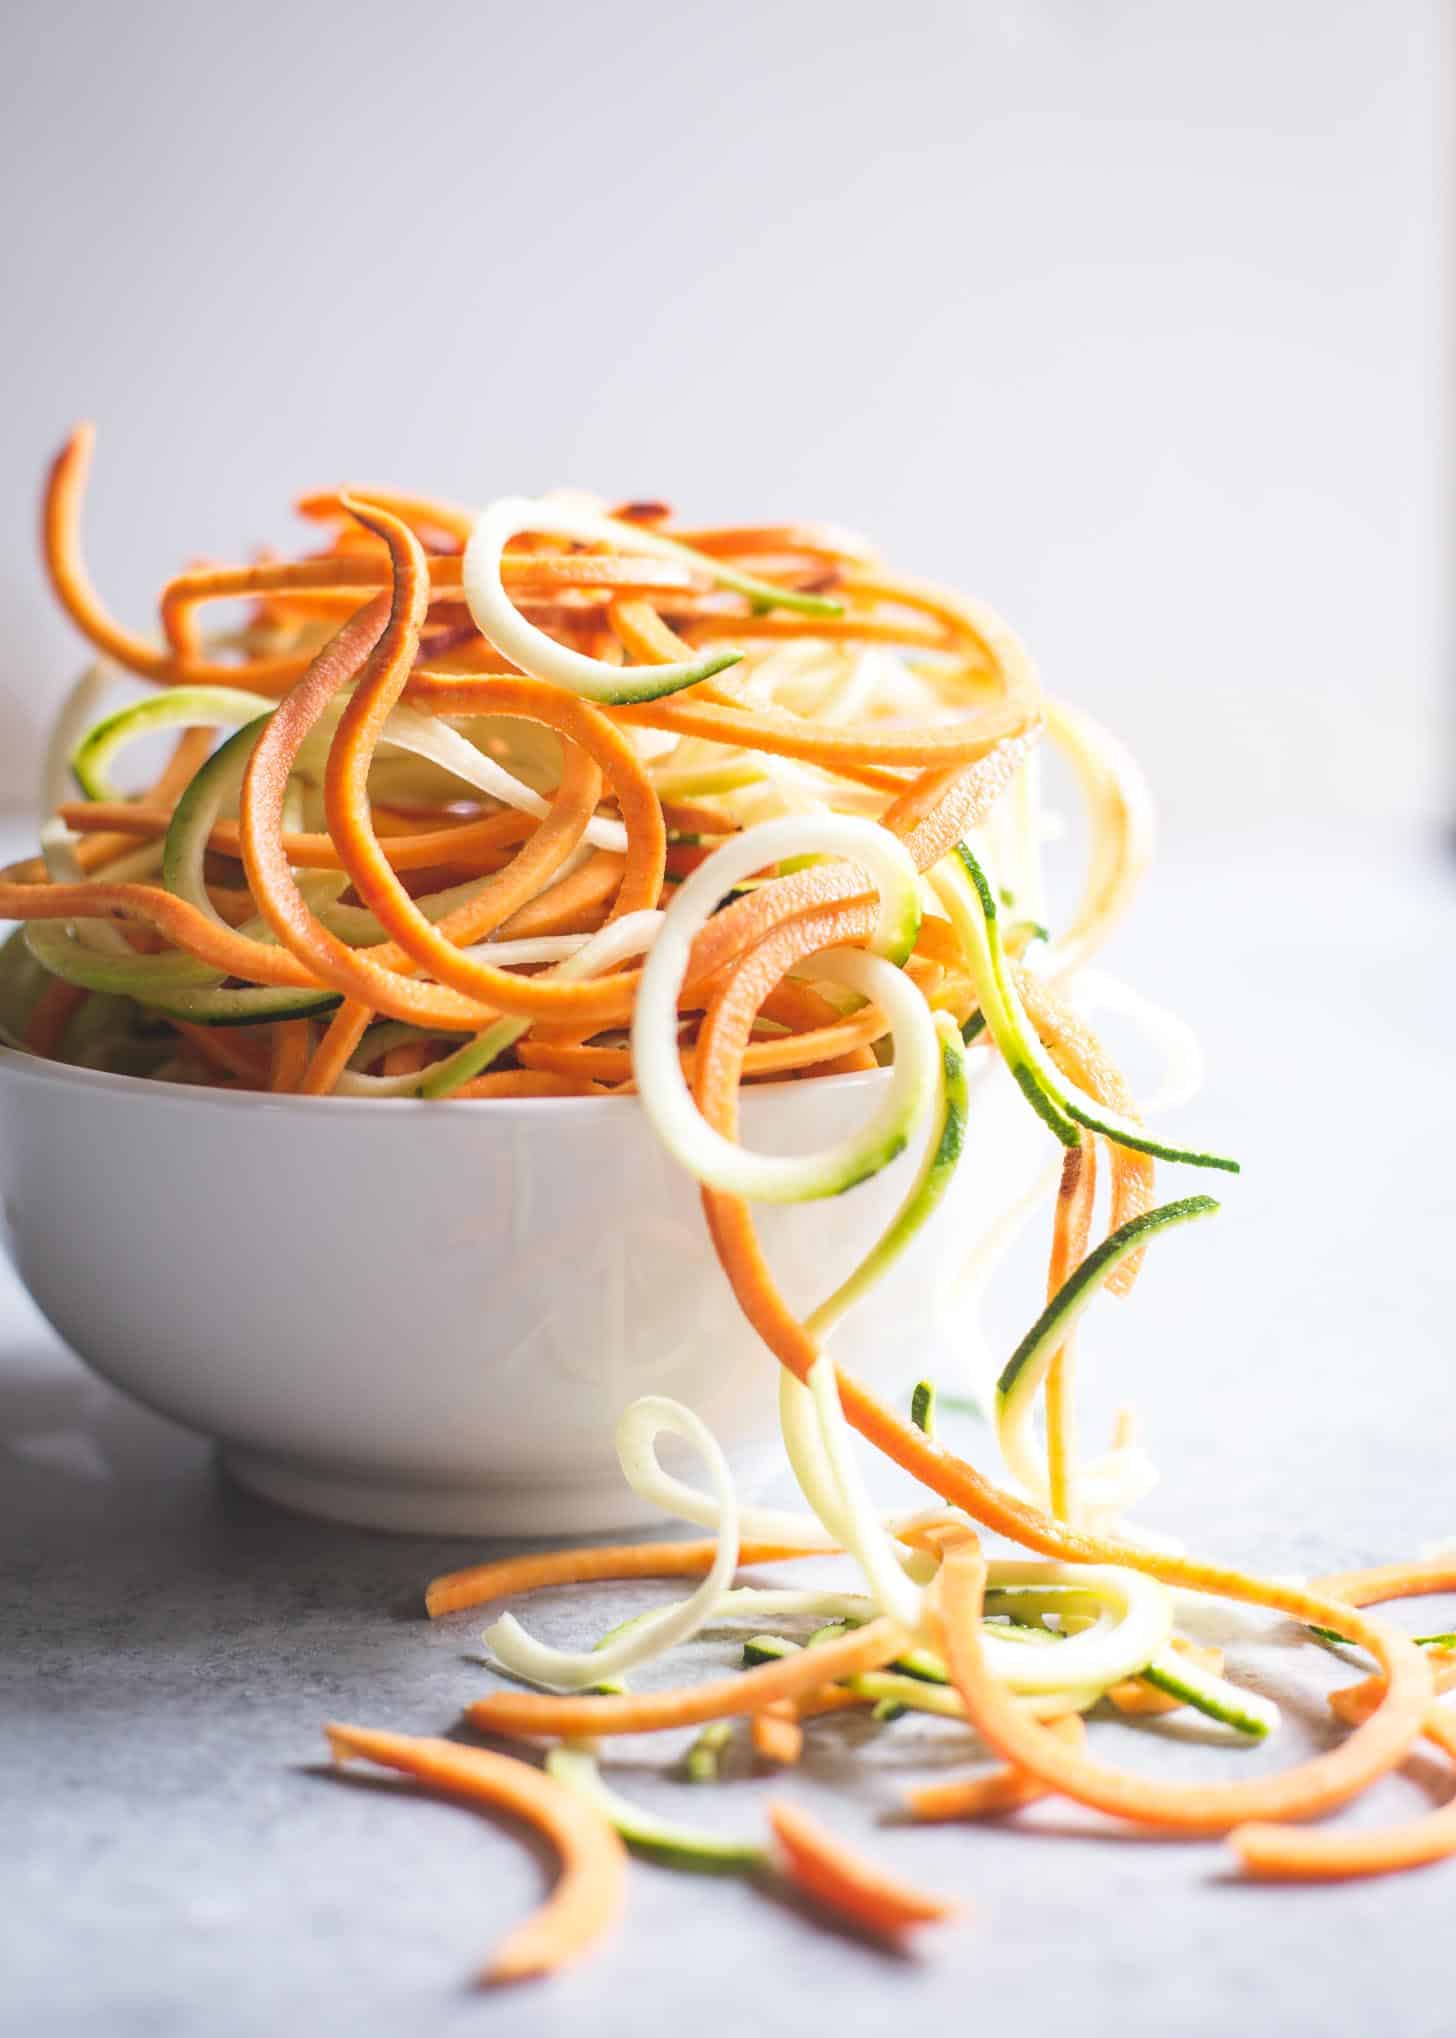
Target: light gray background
[(1128, 316), (1122, 312)]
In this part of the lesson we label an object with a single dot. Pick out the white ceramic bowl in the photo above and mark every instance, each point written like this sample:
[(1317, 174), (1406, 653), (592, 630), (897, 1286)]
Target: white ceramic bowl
[(430, 1316)]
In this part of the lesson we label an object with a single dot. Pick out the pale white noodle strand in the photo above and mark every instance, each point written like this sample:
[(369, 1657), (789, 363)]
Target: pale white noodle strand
[(573, 1669)]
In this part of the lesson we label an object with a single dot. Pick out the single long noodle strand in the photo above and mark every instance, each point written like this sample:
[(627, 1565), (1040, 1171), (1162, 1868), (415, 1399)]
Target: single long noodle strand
[(408, 1059), (345, 1030), (836, 1876), (290, 1053), (61, 549), (528, 1712), (229, 1057), (1273, 1852), (51, 1014), (190, 752), (461, 843), (1390, 1581), (791, 1053), (590, 1891), (575, 904), (526, 1083), (1313, 1787), (503, 1579), (1073, 1229), (1002, 1789), (1081, 1057), (358, 575)]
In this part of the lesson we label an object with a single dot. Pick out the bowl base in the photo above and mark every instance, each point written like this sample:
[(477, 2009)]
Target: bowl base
[(583, 1508)]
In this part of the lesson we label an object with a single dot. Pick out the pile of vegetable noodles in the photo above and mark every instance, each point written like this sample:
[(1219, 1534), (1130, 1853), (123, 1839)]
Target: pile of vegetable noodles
[(543, 801)]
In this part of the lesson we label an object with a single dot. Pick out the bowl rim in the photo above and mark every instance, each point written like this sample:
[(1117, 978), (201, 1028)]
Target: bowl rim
[(18, 1062)]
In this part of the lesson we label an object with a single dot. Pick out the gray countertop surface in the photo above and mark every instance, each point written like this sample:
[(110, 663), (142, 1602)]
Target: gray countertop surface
[(175, 1859)]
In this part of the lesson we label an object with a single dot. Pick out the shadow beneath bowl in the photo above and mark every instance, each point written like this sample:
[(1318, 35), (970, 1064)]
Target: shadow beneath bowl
[(106, 1508), (87, 1470)]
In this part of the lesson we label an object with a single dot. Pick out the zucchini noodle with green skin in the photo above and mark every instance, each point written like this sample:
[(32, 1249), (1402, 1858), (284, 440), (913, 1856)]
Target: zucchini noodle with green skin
[(534, 651), (664, 1840), (183, 707), (942, 1158), (664, 1092), (962, 887), (1025, 1371), (574, 1670)]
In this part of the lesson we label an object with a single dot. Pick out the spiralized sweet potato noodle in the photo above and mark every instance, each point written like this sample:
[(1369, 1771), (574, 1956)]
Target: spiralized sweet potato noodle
[(592, 1885), (358, 575), (1315, 1786), (1275, 1852), (463, 844)]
